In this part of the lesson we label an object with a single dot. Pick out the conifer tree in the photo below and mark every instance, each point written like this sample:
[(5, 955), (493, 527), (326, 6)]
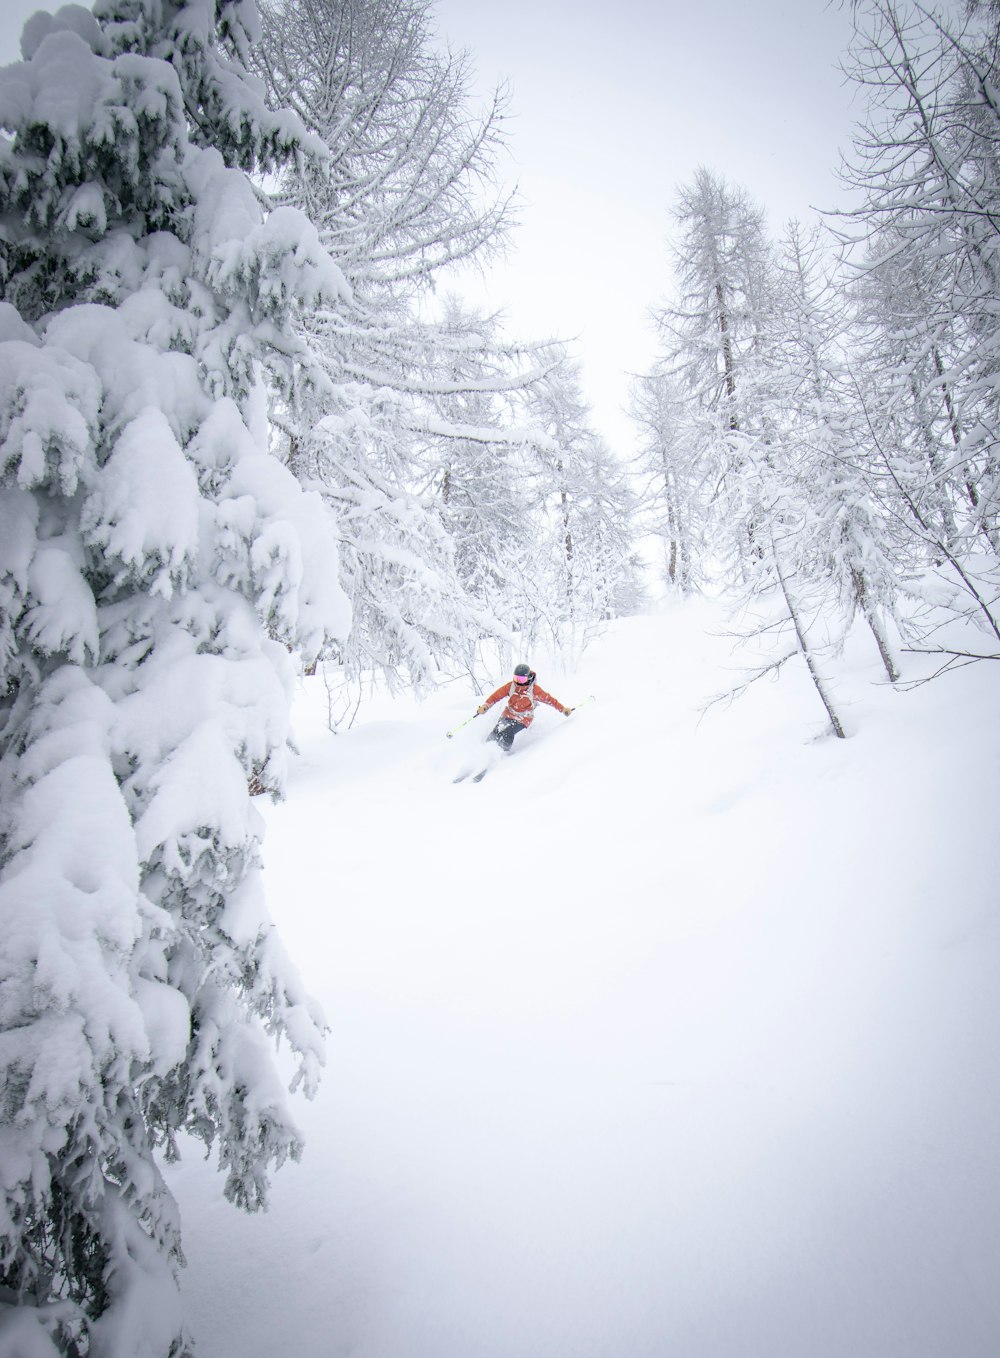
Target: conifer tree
[(423, 433), (583, 559), (734, 364), (849, 560), (403, 396), (157, 566), (714, 335), (926, 173), (670, 497)]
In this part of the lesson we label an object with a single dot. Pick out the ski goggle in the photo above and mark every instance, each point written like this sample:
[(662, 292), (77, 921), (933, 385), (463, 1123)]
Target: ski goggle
[(522, 678)]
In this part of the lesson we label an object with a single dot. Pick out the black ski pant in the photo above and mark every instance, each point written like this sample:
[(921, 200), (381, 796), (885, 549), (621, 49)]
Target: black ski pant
[(505, 731)]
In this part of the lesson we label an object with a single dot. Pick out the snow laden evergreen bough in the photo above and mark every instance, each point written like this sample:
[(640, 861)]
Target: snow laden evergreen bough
[(157, 567)]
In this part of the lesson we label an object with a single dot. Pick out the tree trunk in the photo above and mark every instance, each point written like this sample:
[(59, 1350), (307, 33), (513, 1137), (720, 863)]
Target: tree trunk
[(806, 653), (727, 358), (567, 536), (938, 491), (861, 595), (671, 521)]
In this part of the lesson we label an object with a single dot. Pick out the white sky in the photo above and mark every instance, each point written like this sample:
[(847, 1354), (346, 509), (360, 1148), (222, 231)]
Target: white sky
[(613, 107)]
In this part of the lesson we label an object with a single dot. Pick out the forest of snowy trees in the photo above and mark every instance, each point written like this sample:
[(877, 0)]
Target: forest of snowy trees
[(821, 429), (245, 427)]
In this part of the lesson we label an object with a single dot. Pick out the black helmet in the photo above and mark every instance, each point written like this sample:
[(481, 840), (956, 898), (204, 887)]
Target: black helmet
[(523, 674)]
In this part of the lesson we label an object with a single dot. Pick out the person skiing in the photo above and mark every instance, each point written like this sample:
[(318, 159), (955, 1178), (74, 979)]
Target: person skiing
[(522, 694)]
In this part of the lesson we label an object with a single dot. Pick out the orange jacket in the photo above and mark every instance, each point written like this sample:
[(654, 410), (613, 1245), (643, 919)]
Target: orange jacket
[(521, 699)]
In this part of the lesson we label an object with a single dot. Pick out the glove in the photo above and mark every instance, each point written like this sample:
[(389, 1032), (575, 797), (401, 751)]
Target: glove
[(567, 711), (480, 711)]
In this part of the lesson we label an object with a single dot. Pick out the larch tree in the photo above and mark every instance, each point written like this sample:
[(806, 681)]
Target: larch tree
[(925, 170), (669, 476), (478, 442), (583, 565), (158, 571), (712, 335), (851, 567), (727, 364), (416, 409)]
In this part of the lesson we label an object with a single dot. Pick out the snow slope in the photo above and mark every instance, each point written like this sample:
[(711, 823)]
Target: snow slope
[(671, 1037)]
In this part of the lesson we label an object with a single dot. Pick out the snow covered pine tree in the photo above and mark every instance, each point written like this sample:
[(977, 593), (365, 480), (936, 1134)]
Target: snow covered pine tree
[(155, 564)]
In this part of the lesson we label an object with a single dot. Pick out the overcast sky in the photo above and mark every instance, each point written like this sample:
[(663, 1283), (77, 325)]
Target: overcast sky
[(615, 104)]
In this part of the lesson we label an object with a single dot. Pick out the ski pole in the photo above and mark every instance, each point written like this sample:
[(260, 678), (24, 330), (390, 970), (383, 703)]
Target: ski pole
[(458, 728), (577, 706)]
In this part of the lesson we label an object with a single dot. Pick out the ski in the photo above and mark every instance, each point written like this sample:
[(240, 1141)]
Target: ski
[(476, 777)]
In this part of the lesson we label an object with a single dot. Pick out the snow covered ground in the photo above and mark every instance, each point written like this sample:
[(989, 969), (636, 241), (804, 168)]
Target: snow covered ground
[(671, 1037)]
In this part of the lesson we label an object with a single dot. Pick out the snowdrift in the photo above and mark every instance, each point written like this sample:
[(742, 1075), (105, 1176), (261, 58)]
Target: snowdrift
[(676, 1035)]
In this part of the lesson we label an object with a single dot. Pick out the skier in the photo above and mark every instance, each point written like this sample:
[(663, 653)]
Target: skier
[(521, 695)]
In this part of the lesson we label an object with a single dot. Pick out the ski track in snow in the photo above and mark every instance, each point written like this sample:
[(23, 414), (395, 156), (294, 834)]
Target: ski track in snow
[(669, 1037)]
